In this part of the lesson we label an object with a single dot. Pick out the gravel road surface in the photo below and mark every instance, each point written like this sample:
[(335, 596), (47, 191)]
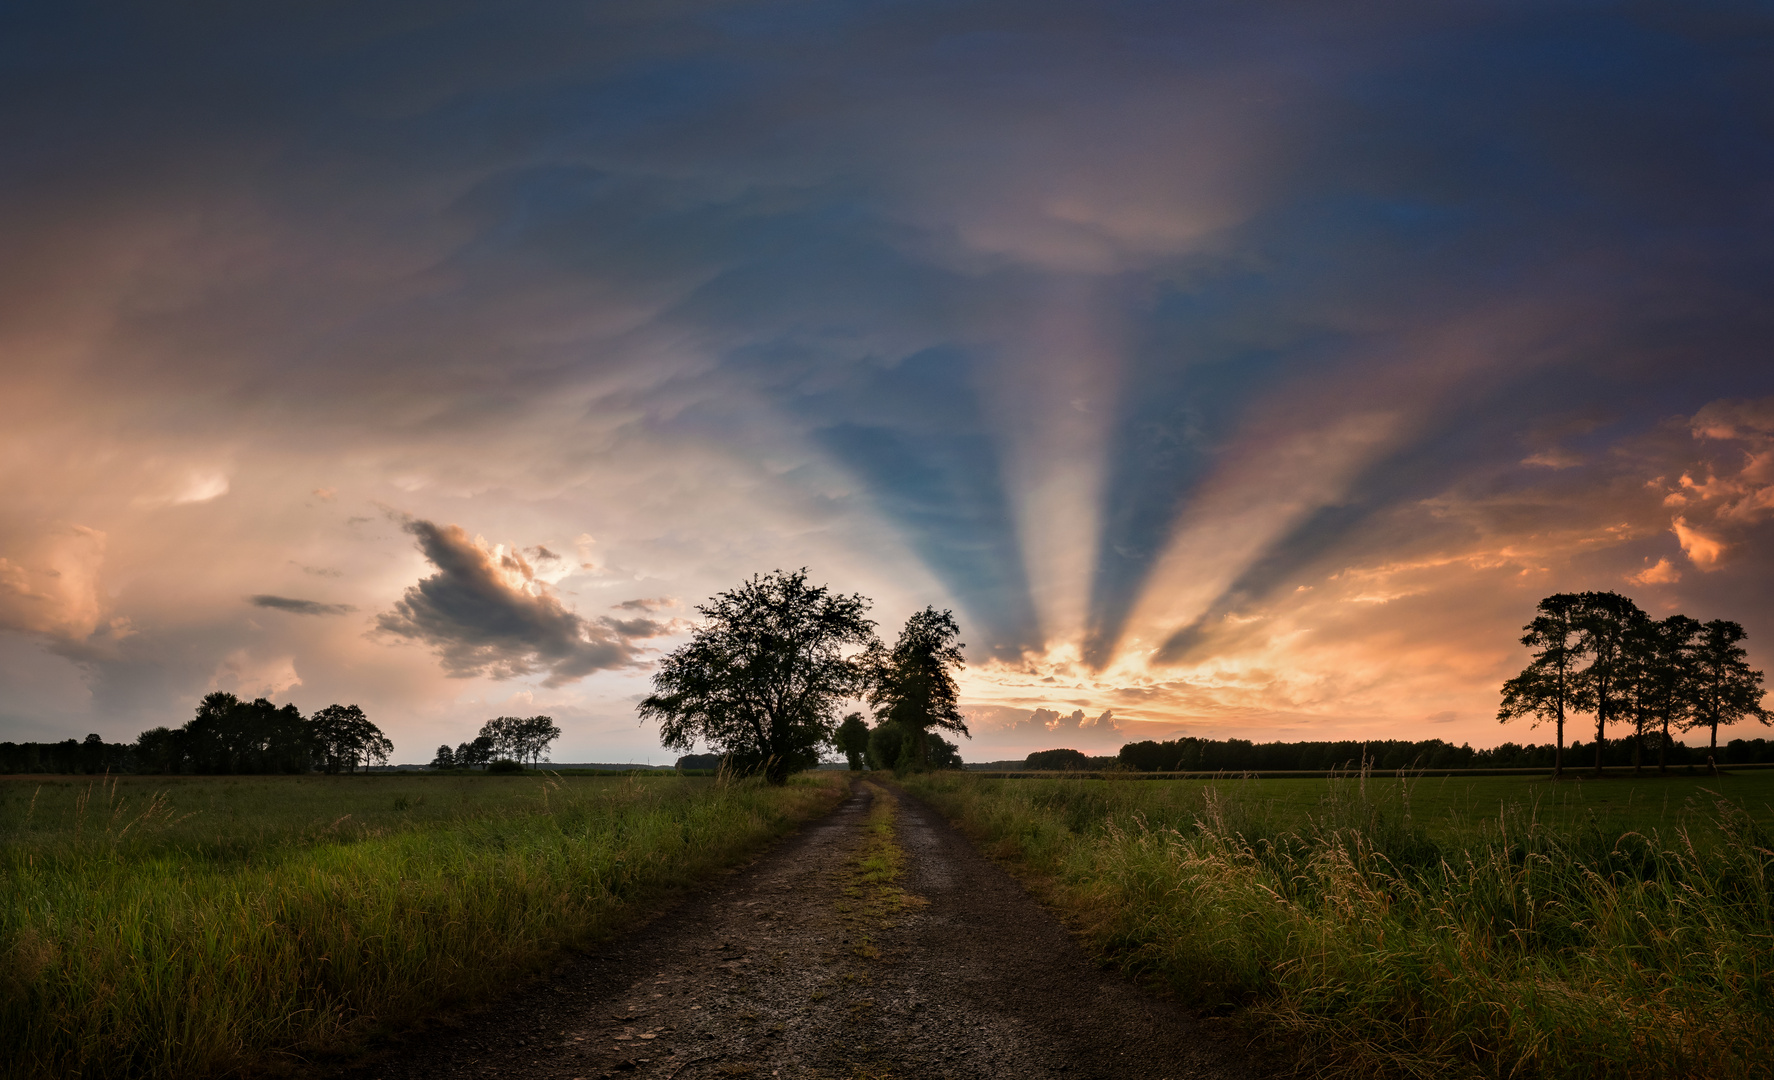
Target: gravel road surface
[(804, 966)]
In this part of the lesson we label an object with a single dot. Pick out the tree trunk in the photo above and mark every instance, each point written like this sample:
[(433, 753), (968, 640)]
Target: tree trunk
[(1601, 738), (1712, 751), (1558, 746), (1663, 747)]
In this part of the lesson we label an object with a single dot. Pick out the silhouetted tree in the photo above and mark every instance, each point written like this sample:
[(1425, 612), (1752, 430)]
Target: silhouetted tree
[(445, 759), (1664, 674), (913, 686), (939, 753), (478, 751), (888, 747), (1057, 760), (502, 733), (343, 737), (1725, 689), (520, 738), (1606, 624), (535, 735), (1548, 688), (852, 740), (763, 677)]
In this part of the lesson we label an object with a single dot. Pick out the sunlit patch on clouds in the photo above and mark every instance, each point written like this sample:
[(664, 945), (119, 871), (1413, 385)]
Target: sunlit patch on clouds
[(196, 486), (244, 675)]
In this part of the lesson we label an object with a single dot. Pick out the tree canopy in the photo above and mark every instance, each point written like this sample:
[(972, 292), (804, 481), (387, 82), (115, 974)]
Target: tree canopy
[(228, 735), (852, 740), (1724, 688), (1548, 688), (762, 679), (520, 738), (1597, 652), (912, 685)]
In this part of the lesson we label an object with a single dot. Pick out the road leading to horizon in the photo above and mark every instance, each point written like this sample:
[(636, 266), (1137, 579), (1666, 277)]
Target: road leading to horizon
[(804, 966)]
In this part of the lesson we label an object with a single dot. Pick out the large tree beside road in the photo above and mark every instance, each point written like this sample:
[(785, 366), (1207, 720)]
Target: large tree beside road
[(913, 685), (763, 678)]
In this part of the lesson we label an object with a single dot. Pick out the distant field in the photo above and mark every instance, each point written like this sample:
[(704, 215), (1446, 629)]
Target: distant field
[(189, 927), (1489, 926), (1454, 810)]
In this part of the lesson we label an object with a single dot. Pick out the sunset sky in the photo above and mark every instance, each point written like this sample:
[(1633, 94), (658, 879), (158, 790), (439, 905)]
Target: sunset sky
[(1229, 368)]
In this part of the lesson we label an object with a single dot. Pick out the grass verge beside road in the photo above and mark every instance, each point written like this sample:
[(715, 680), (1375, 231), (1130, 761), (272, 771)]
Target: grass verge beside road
[(1491, 927), (167, 927)]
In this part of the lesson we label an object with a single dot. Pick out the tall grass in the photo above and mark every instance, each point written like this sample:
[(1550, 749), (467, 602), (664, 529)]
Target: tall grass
[(1518, 950), (292, 915)]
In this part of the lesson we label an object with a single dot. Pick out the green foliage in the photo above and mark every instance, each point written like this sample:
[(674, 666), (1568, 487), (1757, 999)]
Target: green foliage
[(912, 687), (1475, 927), (188, 927), (889, 747), (233, 737), (1651, 674), (761, 680), (852, 740), (1057, 760), (522, 738)]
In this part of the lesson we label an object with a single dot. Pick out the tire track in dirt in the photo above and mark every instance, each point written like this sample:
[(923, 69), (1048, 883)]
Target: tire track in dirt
[(876, 943)]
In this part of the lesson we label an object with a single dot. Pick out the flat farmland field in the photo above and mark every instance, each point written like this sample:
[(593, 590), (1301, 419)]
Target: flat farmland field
[(1487, 926), (188, 927)]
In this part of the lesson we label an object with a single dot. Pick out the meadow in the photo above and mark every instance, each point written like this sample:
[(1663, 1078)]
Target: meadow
[(1499, 926), (191, 927)]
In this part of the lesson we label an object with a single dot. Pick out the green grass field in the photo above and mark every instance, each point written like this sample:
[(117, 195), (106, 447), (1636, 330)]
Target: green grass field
[(1493, 926), (190, 927)]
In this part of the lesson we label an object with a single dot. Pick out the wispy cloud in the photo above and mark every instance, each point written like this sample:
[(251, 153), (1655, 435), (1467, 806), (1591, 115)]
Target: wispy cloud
[(298, 607)]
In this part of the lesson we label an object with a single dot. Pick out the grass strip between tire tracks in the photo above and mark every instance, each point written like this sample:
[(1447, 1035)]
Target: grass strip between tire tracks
[(136, 941)]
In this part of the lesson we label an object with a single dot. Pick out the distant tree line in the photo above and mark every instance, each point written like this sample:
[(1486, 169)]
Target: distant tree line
[(504, 738), (1241, 755), (1598, 653), (226, 736), (93, 756)]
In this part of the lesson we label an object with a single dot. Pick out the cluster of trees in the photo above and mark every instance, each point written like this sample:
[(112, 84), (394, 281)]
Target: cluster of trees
[(1598, 653), (232, 736), (92, 756), (763, 679), (1238, 755), (508, 738)]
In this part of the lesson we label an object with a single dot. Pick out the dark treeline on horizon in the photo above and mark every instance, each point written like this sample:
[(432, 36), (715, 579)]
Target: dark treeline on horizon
[(1235, 755), (226, 737)]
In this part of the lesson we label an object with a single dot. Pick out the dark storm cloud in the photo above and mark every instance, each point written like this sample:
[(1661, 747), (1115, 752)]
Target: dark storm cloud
[(481, 623), (299, 607)]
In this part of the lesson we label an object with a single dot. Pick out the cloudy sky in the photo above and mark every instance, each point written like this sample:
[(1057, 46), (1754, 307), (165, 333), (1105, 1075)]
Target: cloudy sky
[(1229, 368)]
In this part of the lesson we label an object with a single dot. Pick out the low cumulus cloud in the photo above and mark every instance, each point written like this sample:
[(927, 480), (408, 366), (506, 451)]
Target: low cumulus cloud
[(1717, 500), (298, 607), (485, 612), (1051, 722)]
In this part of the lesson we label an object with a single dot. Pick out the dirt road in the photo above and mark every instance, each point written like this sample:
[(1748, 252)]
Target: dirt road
[(876, 943)]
